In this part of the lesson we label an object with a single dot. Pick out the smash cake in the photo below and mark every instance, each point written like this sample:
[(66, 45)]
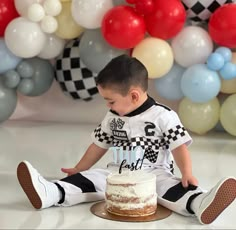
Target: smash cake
[(131, 194)]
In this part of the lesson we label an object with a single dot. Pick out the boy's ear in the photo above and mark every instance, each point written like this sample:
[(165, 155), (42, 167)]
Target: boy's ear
[(135, 95)]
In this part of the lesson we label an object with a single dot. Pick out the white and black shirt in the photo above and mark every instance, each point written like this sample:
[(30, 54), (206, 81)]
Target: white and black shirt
[(152, 131)]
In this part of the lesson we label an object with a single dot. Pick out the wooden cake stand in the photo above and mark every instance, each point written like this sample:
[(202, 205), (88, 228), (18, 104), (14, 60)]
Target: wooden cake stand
[(99, 209)]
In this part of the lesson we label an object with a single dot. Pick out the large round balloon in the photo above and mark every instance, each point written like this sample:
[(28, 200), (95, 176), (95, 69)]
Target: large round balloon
[(200, 84), (89, 14), (169, 86), (7, 13), (166, 19), (199, 117), (201, 10), (156, 55), (53, 47), (8, 59), (192, 45), (228, 114), (75, 79), (8, 101), (122, 27), (67, 26), (24, 38), (222, 27), (95, 52)]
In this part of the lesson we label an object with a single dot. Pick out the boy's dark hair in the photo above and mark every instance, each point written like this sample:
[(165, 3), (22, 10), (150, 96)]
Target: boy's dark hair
[(121, 73)]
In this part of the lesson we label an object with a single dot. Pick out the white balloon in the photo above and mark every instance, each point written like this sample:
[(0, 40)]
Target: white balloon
[(36, 12), (192, 45), (53, 47), (24, 38), (89, 13), (49, 24), (23, 5), (52, 7)]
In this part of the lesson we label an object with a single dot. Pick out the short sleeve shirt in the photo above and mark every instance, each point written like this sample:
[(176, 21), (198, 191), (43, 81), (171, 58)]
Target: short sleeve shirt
[(152, 130)]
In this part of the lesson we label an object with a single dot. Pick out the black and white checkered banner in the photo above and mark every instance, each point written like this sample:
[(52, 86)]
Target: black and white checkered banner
[(75, 79), (201, 10)]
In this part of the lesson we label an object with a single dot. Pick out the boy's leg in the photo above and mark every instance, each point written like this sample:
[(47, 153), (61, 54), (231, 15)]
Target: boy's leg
[(208, 206), (87, 186), (82, 187)]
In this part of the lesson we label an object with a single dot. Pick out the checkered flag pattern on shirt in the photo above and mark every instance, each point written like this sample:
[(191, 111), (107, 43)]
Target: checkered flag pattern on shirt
[(201, 10), (150, 155), (74, 78)]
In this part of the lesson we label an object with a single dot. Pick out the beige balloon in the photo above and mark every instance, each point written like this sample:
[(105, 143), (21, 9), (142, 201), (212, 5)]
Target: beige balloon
[(67, 27), (156, 55), (229, 86), (199, 117), (228, 114)]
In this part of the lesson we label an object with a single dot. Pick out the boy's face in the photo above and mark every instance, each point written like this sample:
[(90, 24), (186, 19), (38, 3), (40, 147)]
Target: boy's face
[(117, 102)]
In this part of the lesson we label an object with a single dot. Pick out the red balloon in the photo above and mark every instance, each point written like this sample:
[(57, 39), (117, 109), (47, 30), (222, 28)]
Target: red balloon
[(222, 26), (122, 27), (166, 20), (7, 13), (144, 6)]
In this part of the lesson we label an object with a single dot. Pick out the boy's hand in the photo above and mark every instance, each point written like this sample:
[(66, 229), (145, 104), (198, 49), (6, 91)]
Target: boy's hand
[(70, 171), (187, 180)]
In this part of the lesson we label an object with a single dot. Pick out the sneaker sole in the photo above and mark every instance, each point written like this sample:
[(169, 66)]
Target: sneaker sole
[(224, 197), (26, 183)]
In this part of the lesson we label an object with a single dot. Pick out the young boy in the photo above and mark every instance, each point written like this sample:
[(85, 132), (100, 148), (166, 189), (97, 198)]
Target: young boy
[(134, 121)]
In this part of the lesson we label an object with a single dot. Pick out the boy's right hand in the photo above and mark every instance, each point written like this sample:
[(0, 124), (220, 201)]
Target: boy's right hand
[(70, 171)]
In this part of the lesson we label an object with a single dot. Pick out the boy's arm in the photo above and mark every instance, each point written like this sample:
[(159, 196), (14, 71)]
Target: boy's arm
[(92, 155), (182, 159)]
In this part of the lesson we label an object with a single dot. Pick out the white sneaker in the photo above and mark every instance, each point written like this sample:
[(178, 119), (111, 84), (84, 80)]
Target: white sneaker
[(40, 192), (214, 202)]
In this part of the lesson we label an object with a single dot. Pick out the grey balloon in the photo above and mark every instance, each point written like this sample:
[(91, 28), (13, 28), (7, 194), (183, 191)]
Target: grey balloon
[(26, 86), (95, 52), (8, 101), (24, 69), (11, 79), (43, 76)]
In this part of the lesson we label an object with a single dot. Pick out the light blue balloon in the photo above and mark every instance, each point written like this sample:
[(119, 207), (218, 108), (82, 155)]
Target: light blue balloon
[(8, 101), (225, 52), (215, 61), (7, 59), (95, 52), (169, 86), (200, 84), (11, 79), (228, 71)]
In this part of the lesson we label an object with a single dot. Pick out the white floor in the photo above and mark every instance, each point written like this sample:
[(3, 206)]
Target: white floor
[(50, 146)]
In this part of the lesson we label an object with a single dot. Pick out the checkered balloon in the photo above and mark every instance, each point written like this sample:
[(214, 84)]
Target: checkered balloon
[(201, 10), (75, 79)]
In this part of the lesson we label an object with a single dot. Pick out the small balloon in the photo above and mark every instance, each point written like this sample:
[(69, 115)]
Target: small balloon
[(35, 12), (26, 86), (11, 79), (52, 7), (49, 24), (215, 61), (228, 71), (225, 52), (24, 69)]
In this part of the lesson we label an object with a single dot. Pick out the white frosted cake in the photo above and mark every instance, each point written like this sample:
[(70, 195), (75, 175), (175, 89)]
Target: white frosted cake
[(131, 193)]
